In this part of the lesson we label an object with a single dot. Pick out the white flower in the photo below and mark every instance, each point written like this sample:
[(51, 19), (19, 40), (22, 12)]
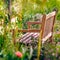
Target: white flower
[(13, 20)]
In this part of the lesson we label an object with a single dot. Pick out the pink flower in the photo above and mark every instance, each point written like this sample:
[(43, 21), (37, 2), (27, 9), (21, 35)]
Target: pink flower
[(18, 54)]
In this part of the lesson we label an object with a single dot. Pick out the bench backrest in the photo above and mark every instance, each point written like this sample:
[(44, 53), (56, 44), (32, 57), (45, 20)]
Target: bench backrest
[(47, 25)]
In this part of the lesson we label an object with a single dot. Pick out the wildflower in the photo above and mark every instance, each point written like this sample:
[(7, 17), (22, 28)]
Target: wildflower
[(18, 54)]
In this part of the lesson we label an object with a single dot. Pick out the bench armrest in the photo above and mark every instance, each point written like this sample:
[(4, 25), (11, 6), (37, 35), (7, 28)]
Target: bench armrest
[(35, 22), (27, 30)]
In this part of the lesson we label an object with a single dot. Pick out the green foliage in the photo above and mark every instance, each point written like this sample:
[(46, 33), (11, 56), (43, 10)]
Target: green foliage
[(1, 41), (25, 10), (51, 51), (57, 38)]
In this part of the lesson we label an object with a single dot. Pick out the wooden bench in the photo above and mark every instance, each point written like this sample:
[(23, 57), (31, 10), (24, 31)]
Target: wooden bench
[(47, 25)]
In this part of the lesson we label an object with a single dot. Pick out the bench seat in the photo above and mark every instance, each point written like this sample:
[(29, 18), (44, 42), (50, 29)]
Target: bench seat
[(28, 37)]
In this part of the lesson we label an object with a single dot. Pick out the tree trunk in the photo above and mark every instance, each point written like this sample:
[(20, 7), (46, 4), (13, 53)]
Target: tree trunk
[(9, 9)]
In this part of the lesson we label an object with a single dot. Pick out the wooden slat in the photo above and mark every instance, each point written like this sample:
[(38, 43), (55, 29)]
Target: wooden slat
[(37, 22), (26, 37), (30, 30), (27, 40), (35, 35), (27, 30)]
